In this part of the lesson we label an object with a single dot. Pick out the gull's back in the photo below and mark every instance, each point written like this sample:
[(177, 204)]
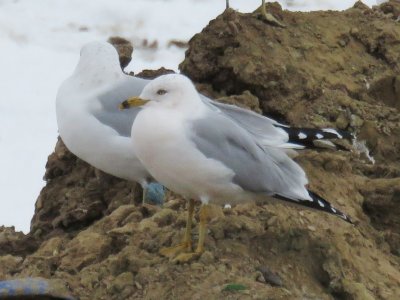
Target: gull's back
[(88, 117)]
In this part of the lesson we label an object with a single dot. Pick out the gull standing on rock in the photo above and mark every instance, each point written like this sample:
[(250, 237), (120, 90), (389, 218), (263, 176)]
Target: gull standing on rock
[(90, 123), (267, 16), (206, 156)]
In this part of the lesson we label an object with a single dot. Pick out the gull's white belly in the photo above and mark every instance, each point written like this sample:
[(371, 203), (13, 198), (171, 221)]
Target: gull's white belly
[(100, 146), (163, 146)]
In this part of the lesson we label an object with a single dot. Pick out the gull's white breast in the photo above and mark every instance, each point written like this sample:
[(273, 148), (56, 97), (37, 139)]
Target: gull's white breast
[(163, 145)]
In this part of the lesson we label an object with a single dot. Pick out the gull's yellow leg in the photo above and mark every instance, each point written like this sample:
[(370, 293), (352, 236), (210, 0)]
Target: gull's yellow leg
[(186, 257), (269, 17), (187, 238), (144, 195), (203, 214), (186, 244)]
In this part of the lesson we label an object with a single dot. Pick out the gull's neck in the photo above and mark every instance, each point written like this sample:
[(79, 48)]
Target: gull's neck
[(192, 109), (93, 72)]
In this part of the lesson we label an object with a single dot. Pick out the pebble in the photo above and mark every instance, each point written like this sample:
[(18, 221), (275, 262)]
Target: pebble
[(173, 204), (147, 224), (197, 266), (164, 217), (207, 258), (356, 121), (354, 31), (311, 228), (222, 268), (272, 221), (342, 43), (270, 277), (138, 285), (342, 121)]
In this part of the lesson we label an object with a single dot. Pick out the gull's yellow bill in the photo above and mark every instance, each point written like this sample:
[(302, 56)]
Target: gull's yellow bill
[(132, 102)]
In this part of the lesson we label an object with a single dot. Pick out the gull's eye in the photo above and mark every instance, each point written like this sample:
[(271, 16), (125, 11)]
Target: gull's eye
[(161, 92)]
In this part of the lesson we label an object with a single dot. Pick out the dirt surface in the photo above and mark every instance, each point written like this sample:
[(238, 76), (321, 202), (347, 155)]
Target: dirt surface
[(324, 69)]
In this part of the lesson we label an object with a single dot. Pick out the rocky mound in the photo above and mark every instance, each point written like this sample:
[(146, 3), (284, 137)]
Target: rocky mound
[(324, 69)]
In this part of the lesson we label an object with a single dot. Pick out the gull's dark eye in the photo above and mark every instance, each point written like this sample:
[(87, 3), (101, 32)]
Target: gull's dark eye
[(161, 92)]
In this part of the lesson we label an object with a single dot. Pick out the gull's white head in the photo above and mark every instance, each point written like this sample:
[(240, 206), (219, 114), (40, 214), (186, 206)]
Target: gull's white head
[(171, 90), (98, 57)]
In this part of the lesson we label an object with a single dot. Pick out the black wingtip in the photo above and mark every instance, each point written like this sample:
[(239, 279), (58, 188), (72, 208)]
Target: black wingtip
[(307, 136), (318, 203), (324, 205)]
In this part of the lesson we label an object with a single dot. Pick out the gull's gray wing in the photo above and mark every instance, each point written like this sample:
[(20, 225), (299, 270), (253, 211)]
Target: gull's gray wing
[(272, 133), (257, 168), (109, 113), (267, 131)]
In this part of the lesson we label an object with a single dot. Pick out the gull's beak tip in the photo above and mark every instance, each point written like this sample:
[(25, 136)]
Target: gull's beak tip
[(124, 105)]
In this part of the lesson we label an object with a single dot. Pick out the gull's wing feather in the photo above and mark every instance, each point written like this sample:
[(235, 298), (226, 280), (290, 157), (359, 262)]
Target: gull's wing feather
[(257, 168), (267, 131)]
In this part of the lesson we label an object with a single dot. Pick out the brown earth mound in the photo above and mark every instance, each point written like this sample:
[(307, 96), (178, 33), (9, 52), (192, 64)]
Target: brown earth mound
[(324, 69)]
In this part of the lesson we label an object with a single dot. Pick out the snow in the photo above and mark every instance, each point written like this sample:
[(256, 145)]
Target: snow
[(40, 42), (308, 5)]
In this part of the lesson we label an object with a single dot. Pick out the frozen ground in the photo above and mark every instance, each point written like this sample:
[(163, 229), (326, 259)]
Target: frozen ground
[(40, 42)]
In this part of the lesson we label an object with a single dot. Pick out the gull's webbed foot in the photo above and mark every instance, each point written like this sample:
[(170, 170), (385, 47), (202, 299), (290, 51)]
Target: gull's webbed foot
[(269, 17), (186, 244), (177, 250), (183, 252), (186, 257)]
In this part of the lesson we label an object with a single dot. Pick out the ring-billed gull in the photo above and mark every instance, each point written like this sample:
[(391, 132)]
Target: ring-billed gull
[(89, 122), (92, 127), (267, 16), (204, 155)]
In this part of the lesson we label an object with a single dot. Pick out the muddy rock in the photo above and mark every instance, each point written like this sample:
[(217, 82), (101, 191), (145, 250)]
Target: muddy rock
[(124, 48), (387, 90), (245, 100), (87, 248), (15, 242), (76, 195), (382, 202), (391, 9), (151, 74), (9, 264)]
